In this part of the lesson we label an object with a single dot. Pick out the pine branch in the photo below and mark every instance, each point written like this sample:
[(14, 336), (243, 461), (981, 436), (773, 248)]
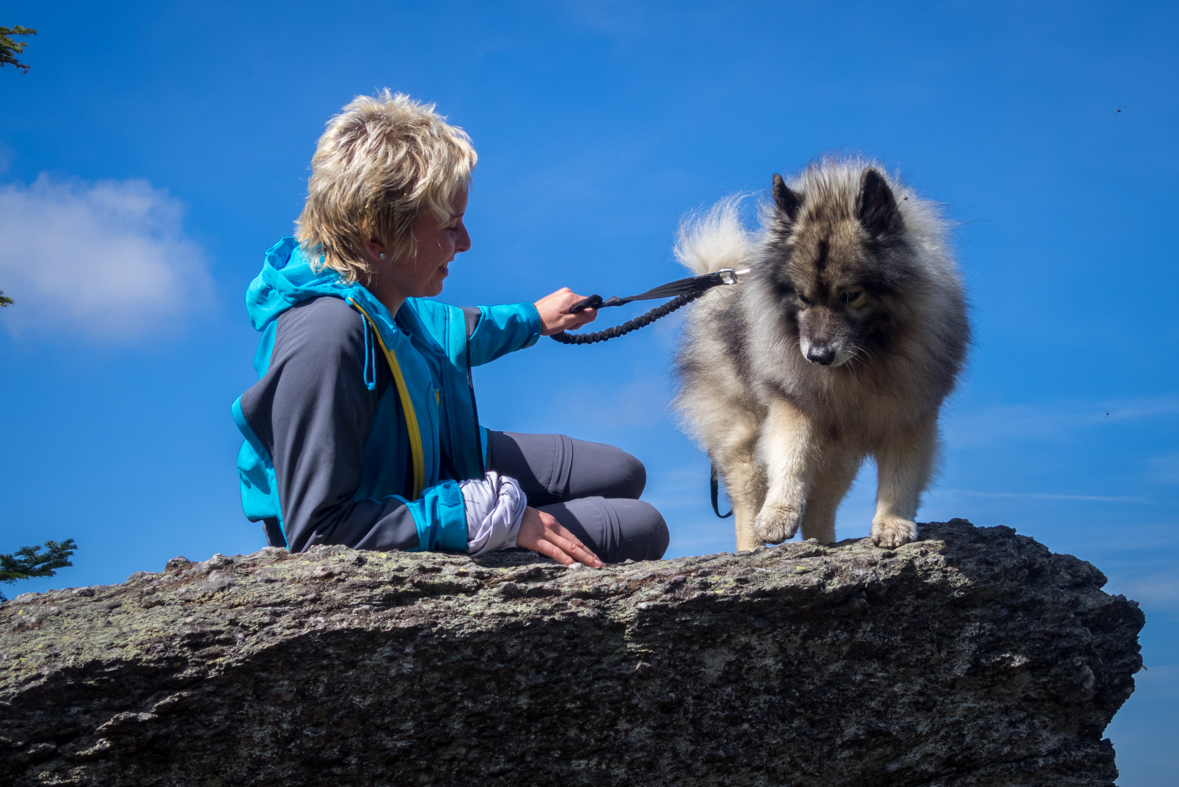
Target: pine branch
[(29, 562), (9, 49)]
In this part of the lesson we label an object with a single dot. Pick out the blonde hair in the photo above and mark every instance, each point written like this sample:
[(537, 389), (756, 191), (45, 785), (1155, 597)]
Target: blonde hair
[(381, 162)]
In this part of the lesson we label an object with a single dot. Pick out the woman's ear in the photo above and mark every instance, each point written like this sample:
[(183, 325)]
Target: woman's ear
[(376, 248)]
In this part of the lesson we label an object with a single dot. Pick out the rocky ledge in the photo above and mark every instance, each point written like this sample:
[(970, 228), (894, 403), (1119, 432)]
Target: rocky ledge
[(972, 657)]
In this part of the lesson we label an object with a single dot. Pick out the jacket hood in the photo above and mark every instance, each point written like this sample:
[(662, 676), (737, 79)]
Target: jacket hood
[(287, 279)]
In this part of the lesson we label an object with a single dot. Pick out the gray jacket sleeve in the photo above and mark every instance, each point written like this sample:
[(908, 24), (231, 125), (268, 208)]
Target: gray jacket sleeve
[(312, 411)]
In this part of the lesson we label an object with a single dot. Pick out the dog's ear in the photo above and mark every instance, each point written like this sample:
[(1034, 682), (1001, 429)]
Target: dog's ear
[(787, 201), (876, 206)]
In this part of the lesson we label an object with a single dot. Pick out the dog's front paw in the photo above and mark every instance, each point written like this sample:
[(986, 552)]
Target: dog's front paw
[(891, 532), (776, 523)]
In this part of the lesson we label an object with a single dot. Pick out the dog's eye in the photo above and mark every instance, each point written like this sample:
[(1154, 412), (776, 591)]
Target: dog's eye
[(851, 297), (805, 300)]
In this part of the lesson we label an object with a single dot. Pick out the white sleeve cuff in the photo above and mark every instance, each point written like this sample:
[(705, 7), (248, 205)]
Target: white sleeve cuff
[(495, 506)]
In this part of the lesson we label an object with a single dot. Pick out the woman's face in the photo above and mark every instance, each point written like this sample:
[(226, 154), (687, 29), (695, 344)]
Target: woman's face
[(421, 274)]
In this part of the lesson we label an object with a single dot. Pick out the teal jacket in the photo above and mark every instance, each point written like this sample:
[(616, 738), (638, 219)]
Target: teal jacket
[(361, 423)]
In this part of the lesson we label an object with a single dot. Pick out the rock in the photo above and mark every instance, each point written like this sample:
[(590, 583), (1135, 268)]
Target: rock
[(973, 657)]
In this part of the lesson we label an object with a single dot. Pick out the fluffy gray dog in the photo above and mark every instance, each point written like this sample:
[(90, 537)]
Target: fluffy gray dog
[(842, 340)]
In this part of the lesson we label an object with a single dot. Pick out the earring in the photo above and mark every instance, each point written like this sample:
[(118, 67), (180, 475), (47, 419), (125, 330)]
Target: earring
[(382, 256)]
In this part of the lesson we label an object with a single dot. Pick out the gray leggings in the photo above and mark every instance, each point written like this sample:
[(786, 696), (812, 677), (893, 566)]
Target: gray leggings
[(590, 488)]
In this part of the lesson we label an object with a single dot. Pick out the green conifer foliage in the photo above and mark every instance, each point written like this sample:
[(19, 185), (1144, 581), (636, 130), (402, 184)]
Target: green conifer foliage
[(9, 49), (29, 562)]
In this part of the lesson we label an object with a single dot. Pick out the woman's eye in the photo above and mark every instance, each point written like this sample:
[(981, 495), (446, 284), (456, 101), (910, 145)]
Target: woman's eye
[(848, 297)]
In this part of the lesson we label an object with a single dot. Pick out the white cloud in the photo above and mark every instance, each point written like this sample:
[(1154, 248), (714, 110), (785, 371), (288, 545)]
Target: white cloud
[(1158, 680), (638, 404), (1002, 424), (1165, 468), (1040, 496), (1160, 591), (107, 260), (612, 17), (684, 487)]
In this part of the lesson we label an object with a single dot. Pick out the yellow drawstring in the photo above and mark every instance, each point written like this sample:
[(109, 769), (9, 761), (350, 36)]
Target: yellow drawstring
[(411, 418)]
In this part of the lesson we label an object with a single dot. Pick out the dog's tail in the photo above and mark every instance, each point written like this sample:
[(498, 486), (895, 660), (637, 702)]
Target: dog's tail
[(714, 239)]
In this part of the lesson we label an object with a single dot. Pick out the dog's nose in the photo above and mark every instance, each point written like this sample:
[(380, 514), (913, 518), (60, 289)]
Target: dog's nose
[(820, 355)]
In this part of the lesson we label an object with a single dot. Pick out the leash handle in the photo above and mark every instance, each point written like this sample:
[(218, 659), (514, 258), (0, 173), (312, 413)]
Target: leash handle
[(592, 302)]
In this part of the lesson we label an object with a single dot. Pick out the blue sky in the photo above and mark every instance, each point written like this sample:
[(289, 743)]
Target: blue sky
[(154, 151)]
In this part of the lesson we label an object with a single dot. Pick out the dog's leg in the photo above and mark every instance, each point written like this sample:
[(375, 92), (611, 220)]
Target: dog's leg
[(788, 452), (832, 480), (747, 490), (905, 464), (744, 478)]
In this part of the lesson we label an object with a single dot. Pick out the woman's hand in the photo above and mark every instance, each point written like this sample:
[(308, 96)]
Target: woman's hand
[(554, 312), (541, 533)]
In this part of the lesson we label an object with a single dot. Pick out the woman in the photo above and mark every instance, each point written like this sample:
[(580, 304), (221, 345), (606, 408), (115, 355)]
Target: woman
[(362, 428)]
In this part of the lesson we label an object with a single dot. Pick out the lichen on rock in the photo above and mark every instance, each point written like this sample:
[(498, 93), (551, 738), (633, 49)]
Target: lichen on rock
[(972, 657)]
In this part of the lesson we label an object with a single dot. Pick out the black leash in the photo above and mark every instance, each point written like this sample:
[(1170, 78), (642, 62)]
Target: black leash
[(715, 484), (683, 292)]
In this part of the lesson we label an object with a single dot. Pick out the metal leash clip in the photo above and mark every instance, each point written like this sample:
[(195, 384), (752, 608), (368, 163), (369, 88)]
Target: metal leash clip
[(731, 275)]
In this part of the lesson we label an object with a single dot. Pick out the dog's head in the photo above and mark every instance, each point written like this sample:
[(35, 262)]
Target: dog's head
[(834, 262)]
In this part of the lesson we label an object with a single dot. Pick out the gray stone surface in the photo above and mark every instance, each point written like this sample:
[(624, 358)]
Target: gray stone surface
[(973, 657)]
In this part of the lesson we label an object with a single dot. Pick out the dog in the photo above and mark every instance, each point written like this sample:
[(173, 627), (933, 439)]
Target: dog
[(842, 341)]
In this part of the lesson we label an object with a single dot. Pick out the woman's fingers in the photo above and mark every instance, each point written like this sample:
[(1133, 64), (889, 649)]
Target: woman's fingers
[(552, 551), (567, 542), (571, 322), (574, 549), (586, 316), (541, 533)]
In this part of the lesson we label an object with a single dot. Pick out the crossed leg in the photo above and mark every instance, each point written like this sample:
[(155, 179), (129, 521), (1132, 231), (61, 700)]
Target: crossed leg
[(592, 489)]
